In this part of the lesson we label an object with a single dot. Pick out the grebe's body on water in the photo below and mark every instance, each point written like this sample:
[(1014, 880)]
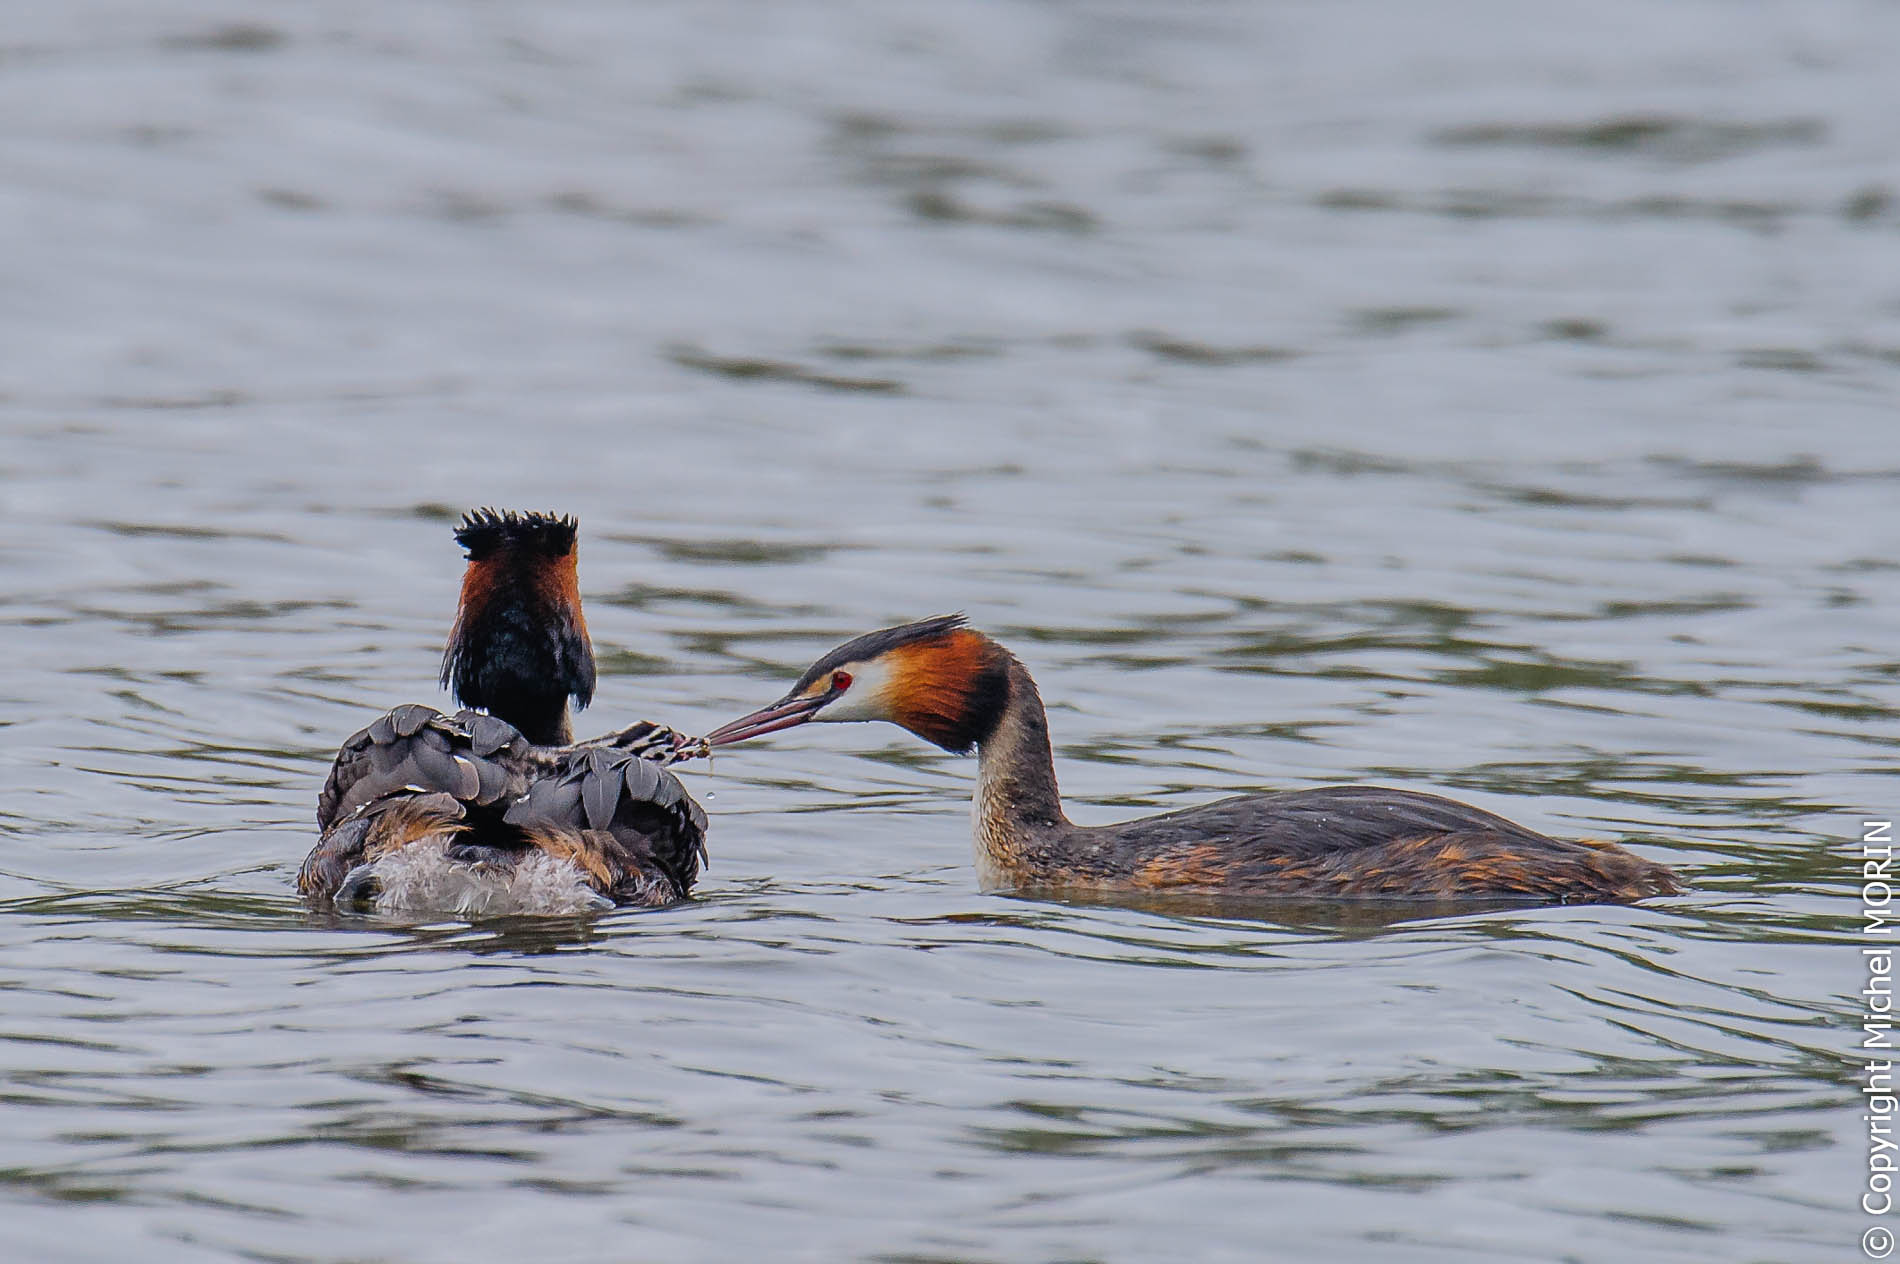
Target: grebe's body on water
[(496, 811), (953, 686)]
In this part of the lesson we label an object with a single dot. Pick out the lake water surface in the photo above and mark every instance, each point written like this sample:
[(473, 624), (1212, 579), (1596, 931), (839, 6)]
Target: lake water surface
[(1483, 397)]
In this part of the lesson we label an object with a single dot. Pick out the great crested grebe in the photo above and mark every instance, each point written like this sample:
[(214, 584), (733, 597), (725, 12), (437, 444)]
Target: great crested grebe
[(951, 685), (495, 813)]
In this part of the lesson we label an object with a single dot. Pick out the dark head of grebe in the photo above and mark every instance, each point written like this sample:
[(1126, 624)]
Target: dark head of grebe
[(951, 685), (519, 649)]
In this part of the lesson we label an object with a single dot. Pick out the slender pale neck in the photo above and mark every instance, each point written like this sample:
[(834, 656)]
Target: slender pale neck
[(1016, 772)]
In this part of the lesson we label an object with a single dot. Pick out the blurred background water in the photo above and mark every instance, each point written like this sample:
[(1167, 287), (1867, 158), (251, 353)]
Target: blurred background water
[(1479, 396)]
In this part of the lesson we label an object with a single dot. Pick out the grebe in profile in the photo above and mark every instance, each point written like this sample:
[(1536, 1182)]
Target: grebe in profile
[(486, 814), (951, 685)]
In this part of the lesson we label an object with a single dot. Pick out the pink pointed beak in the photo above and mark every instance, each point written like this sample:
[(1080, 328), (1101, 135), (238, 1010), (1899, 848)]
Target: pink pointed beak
[(784, 714)]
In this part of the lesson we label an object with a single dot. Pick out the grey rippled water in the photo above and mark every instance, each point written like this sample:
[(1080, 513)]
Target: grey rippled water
[(1472, 396)]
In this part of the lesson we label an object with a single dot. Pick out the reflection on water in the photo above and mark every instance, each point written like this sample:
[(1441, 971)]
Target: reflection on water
[(1426, 396)]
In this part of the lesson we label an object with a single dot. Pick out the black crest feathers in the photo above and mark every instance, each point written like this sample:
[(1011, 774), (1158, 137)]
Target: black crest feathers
[(485, 532)]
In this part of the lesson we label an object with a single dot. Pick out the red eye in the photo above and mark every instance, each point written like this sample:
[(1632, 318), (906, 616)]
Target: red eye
[(840, 681)]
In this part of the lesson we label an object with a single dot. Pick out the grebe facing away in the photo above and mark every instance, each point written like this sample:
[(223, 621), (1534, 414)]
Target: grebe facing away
[(488, 814), (953, 686)]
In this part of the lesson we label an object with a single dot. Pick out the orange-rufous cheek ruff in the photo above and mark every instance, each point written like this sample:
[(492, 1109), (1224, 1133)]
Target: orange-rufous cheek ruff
[(950, 689), (480, 581), (559, 583), (519, 648), (554, 581)]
